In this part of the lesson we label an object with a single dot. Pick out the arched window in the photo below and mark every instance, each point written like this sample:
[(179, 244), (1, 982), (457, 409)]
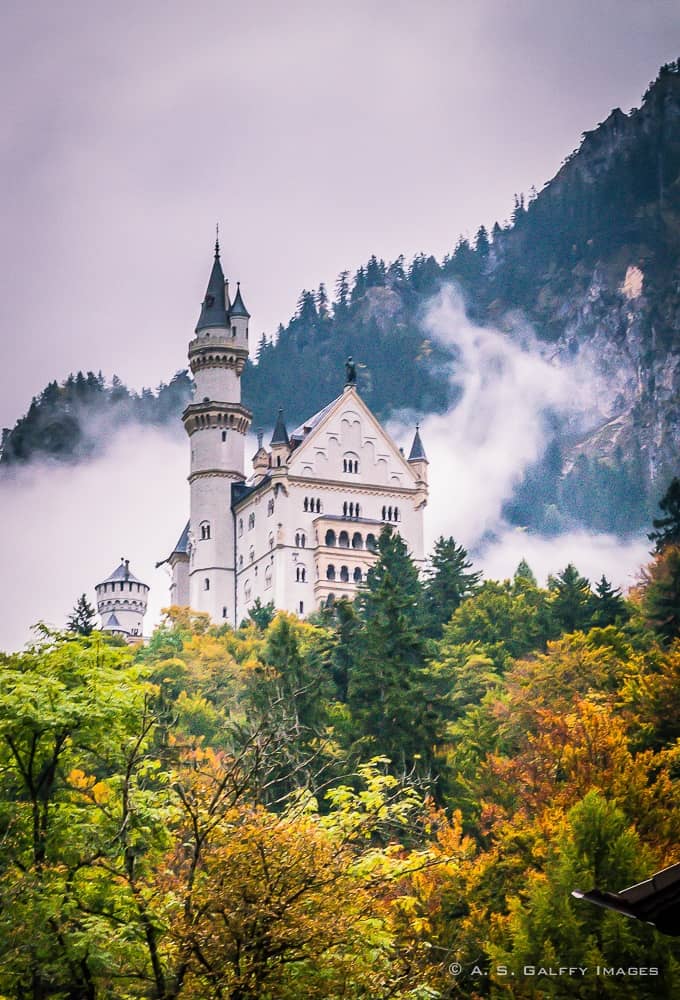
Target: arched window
[(240, 562), (318, 506), (344, 574), (224, 438), (306, 504), (370, 543), (344, 509), (251, 521), (251, 554), (224, 612), (350, 463), (343, 540), (351, 510), (247, 590), (357, 574), (206, 583), (330, 537), (357, 510), (396, 513), (268, 578), (271, 539), (205, 529), (303, 540), (240, 525), (330, 572), (384, 513), (270, 507), (278, 461), (357, 541), (300, 574), (302, 607)]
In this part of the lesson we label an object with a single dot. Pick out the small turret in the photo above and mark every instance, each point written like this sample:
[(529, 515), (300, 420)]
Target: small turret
[(417, 458), (239, 316), (280, 443), (260, 459), (121, 602)]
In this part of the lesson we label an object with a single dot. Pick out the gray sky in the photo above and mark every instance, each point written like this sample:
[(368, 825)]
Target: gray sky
[(317, 133)]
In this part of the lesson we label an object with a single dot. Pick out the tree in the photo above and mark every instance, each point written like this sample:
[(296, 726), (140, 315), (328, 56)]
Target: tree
[(524, 575), (390, 693), (667, 529), (661, 593), (81, 620), (449, 582), (572, 599), (609, 607), (261, 614)]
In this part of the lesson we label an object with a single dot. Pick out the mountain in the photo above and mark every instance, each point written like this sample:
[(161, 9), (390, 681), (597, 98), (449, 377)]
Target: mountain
[(592, 262)]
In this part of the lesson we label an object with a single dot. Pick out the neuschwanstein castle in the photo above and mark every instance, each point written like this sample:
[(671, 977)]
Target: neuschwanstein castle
[(299, 531)]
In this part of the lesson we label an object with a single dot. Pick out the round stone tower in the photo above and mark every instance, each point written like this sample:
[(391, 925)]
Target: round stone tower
[(217, 424), (121, 602)]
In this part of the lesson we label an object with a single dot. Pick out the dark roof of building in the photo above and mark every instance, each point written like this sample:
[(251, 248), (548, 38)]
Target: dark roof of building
[(301, 432), (238, 306), (280, 435), (417, 452), (240, 491), (122, 573), (213, 308), (181, 548)]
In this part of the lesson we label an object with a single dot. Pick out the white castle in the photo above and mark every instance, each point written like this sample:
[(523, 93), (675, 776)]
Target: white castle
[(301, 530)]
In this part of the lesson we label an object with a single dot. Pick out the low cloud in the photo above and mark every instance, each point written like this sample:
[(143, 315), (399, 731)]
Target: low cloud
[(66, 527)]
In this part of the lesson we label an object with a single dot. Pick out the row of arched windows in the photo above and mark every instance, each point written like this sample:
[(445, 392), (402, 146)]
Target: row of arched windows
[(300, 574), (350, 465), (343, 540), (350, 509), (312, 505), (300, 539), (205, 529), (344, 574)]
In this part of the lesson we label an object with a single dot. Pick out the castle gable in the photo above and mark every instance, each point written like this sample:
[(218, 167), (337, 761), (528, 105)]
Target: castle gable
[(344, 441)]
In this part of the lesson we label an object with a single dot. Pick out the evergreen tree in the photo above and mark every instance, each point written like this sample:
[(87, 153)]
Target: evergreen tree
[(572, 599), (667, 529), (390, 693), (609, 607), (524, 575), (82, 618), (661, 593), (261, 614), (449, 582)]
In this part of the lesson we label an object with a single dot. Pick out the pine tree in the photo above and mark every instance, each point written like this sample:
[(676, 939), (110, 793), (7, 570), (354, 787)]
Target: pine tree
[(449, 582), (524, 575), (609, 607), (82, 618), (572, 600), (667, 529), (390, 693), (661, 593)]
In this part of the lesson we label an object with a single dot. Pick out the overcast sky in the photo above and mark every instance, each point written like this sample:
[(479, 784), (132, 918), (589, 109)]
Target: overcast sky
[(317, 133)]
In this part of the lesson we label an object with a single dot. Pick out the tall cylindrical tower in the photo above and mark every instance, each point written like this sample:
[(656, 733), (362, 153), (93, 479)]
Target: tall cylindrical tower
[(121, 602), (217, 424)]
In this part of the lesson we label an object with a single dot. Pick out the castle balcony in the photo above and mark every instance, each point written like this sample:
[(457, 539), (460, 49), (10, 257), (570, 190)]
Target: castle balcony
[(345, 550)]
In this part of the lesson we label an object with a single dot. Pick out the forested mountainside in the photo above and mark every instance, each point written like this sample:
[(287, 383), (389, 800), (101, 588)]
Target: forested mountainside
[(592, 262)]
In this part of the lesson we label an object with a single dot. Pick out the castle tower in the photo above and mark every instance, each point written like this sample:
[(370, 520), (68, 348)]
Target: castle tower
[(217, 424), (121, 602)]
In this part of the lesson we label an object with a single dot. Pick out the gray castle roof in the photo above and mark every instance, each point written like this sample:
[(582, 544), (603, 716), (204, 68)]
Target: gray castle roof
[(182, 546), (122, 573), (417, 452), (301, 432), (238, 307), (214, 306), (280, 435)]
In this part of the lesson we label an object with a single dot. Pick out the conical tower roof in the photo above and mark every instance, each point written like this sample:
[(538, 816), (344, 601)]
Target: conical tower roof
[(417, 453), (214, 307), (238, 306), (280, 435)]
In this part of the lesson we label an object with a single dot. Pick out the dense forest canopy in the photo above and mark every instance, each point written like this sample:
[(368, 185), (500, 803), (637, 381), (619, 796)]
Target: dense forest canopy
[(392, 799)]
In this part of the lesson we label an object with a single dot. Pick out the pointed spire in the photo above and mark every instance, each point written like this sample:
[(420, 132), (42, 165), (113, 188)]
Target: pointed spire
[(213, 308), (280, 435), (238, 307), (417, 453)]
